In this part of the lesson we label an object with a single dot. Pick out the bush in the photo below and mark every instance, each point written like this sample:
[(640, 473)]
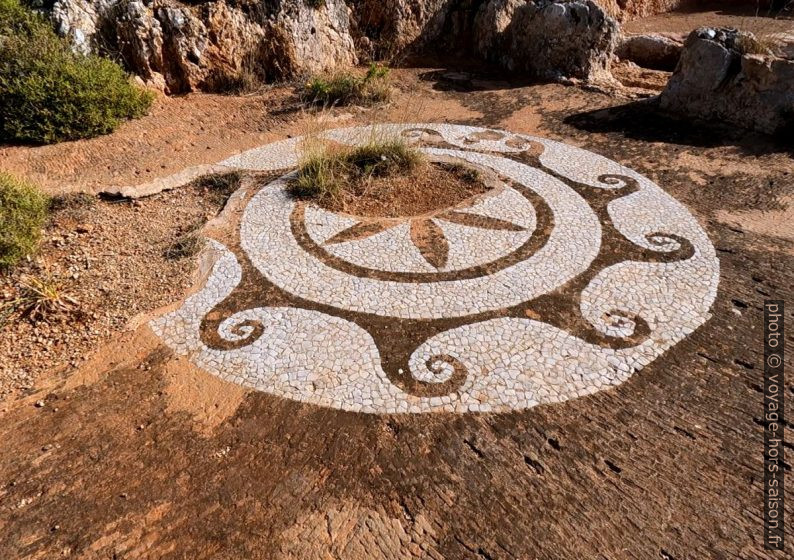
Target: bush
[(343, 88), (23, 210), (49, 93)]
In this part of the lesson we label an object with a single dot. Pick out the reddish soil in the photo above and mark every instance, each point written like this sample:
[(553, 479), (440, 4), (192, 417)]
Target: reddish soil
[(716, 14), (136, 454), (421, 190), (111, 257)]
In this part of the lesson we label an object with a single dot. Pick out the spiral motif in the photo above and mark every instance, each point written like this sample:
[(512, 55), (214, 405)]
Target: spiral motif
[(243, 332), (443, 374), (560, 281)]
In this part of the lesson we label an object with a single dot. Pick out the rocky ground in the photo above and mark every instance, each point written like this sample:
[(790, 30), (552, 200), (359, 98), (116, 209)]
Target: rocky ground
[(120, 449)]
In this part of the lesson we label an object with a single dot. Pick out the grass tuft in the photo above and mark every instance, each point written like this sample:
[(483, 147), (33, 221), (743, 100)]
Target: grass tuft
[(41, 299), (347, 87), (325, 168), (188, 244), (220, 186), (72, 201), (23, 211), (185, 246)]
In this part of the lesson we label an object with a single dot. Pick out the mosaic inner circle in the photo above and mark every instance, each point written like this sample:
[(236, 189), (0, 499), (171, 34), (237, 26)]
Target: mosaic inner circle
[(385, 273), (567, 276)]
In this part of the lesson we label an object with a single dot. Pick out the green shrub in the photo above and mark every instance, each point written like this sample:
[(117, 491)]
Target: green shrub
[(346, 87), (23, 210), (49, 93)]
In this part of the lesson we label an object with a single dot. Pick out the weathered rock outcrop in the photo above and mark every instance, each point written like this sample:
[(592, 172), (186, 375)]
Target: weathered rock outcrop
[(385, 28), (727, 75), (183, 47), (548, 39), (655, 51), (81, 21), (629, 9)]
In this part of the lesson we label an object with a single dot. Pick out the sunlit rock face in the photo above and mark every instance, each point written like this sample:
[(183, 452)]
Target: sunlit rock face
[(182, 47), (728, 75), (179, 46), (548, 39)]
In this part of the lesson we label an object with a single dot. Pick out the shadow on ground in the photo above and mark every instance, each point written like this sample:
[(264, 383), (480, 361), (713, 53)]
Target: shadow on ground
[(644, 120)]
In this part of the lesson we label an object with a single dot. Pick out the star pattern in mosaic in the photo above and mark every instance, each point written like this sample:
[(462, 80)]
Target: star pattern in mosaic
[(567, 276)]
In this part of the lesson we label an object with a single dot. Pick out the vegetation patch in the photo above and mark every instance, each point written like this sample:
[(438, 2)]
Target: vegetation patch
[(23, 211), (348, 87), (42, 298), (382, 178), (72, 201), (249, 78), (48, 93), (187, 244), (219, 186)]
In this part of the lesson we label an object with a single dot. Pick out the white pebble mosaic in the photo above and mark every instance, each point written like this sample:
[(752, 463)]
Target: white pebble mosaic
[(510, 362)]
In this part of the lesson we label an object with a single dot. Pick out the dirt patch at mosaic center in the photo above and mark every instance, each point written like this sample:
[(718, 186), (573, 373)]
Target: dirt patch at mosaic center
[(428, 187)]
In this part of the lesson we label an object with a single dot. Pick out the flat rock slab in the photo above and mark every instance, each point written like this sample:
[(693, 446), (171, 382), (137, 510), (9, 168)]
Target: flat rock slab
[(570, 381)]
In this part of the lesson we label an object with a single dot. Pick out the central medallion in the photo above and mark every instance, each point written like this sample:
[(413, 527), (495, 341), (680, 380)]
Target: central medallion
[(493, 249)]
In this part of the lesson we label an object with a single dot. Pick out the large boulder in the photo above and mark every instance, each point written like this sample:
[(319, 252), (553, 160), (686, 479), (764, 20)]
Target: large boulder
[(548, 39), (183, 47), (727, 75)]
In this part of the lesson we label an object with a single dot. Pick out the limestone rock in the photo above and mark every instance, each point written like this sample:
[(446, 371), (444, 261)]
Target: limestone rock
[(185, 45), (548, 39), (385, 28), (727, 75), (320, 37), (139, 37), (655, 51), (182, 46), (624, 10), (81, 21), (492, 25)]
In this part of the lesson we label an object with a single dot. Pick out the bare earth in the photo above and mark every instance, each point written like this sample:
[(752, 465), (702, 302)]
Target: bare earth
[(749, 17), (128, 451)]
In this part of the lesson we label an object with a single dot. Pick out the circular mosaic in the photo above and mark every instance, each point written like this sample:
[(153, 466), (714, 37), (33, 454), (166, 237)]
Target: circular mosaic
[(568, 275)]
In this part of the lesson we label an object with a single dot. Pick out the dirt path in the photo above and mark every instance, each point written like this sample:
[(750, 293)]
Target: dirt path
[(715, 14), (139, 454)]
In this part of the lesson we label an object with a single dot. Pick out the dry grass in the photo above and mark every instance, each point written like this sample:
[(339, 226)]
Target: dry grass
[(42, 298), (420, 191), (348, 87), (326, 168), (219, 186), (384, 177), (249, 78), (188, 244), (764, 27)]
